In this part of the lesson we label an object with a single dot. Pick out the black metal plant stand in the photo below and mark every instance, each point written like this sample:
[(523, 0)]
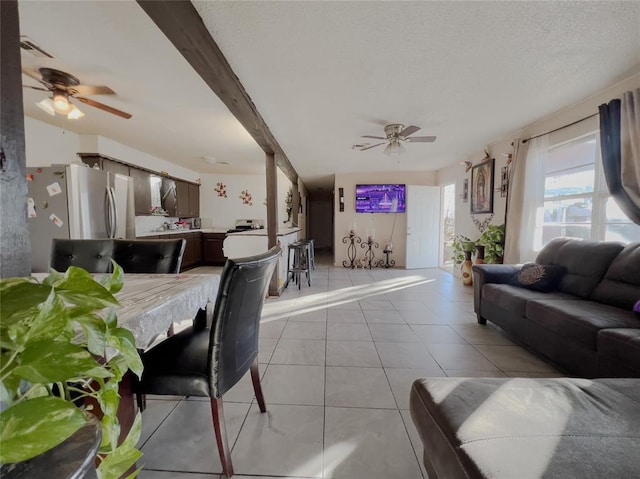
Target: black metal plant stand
[(369, 255), (351, 240), (387, 263)]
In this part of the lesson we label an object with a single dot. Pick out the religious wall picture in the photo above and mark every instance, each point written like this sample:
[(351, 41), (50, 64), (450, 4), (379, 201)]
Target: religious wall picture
[(482, 187)]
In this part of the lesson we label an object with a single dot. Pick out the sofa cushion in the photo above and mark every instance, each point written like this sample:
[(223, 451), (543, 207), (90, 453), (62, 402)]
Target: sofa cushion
[(514, 299), (586, 262), (538, 277), (621, 284), (619, 347), (528, 428), (578, 320)]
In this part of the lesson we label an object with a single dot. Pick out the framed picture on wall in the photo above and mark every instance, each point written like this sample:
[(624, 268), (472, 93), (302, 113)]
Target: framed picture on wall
[(482, 187)]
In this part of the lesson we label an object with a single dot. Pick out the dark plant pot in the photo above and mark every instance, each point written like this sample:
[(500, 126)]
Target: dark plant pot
[(74, 458), (479, 254)]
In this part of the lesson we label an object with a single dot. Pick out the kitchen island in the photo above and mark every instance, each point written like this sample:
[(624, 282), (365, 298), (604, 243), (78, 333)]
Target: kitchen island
[(251, 242)]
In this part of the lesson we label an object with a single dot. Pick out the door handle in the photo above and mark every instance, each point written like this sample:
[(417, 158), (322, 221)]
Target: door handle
[(107, 202), (114, 217)]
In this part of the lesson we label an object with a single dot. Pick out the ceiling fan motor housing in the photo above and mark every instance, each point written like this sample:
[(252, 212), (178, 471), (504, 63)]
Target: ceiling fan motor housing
[(61, 80), (393, 130)]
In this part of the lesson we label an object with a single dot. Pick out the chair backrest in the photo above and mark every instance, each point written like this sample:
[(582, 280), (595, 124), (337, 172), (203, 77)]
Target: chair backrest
[(149, 256), (94, 255), (233, 344), (134, 256)]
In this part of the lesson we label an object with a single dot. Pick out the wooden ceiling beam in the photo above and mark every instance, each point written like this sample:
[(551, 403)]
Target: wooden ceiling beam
[(182, 25)]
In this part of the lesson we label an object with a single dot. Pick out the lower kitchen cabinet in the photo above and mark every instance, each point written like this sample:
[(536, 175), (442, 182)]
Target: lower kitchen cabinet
[(212, 253), (192, 256)]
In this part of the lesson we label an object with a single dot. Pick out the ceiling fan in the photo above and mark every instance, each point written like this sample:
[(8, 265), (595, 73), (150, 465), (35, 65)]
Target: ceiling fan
[(64, 86), (396, 134)]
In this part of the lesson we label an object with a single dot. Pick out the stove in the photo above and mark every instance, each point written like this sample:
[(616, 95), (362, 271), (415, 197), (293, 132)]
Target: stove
[(246, 225)]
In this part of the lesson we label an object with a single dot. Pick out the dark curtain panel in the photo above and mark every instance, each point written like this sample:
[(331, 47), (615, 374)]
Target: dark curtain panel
[(610, 143)]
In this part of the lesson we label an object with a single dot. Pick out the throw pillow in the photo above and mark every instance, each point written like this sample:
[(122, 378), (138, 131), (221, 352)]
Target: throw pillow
[(636, 309), (539, 277)]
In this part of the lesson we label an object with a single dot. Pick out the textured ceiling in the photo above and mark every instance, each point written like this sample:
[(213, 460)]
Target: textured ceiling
[(324, 73)]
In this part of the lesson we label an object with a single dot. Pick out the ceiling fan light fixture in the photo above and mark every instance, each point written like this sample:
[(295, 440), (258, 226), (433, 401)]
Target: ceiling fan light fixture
[(61, 102), (46, 105), (394, 148), (75, 113)]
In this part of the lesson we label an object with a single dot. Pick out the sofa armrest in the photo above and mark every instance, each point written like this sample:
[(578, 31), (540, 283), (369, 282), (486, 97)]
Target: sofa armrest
[(490, 273)]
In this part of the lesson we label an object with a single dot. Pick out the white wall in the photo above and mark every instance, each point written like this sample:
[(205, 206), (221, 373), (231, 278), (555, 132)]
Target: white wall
[(225, 211), (49, 145), (588, 106), (382, 223)]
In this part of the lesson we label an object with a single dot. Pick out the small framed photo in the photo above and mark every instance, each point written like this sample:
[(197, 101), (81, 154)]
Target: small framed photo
[(504, 181), (482, 187), (465, 190)]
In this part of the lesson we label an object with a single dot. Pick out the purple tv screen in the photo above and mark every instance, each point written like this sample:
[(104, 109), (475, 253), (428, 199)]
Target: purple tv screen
[(380, 198)]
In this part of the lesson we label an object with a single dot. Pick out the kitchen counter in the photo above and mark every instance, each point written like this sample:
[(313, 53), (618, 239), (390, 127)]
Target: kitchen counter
[(248, 243), (177, 232), (263, 232)]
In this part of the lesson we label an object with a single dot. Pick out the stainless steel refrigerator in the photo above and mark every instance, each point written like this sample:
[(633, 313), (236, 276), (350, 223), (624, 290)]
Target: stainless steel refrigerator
[(76, 202)]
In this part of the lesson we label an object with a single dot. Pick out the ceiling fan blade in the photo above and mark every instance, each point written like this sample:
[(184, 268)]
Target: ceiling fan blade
[(372, 146), (421, 139), (409, 130), (90, 90), (33, 74), (35, 87), (102, 106), (375, 137)]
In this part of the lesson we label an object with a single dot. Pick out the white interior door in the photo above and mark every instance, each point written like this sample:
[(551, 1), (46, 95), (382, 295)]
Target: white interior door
[(423, 226)]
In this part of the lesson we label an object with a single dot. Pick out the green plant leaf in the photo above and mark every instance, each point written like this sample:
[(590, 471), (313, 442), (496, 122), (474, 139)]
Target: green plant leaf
[(50, 361), (20, 300), (34, 426), (123, 340), (117, 463), (79, 287), (52, 321), (95, 330), (115, 281), (124, 456)]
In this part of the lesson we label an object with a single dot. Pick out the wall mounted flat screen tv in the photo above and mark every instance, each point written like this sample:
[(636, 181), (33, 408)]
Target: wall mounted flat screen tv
[(385, 198)]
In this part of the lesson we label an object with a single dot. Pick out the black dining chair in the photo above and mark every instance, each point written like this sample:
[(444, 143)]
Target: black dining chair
[(209, 361), (159, 256)]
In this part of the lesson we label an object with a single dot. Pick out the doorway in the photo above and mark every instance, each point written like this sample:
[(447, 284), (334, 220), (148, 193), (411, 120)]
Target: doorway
[(447, 226), (423, 208)]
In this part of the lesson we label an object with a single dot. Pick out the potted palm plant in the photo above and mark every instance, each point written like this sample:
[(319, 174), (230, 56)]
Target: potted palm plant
[(60, 347)]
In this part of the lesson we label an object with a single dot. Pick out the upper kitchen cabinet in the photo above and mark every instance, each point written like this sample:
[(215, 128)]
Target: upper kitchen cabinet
[(169, 198), (194, 200), (147, 191), (188, 197), (104, 163)]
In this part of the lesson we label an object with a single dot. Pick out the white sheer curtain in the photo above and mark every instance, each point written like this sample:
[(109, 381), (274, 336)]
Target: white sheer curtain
[(526, 202)]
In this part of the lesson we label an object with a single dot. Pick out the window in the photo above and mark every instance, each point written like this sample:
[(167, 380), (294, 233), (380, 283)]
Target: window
[(577, 202)]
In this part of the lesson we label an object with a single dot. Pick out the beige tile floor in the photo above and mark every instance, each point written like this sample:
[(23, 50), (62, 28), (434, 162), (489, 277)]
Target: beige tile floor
[(337, 362)]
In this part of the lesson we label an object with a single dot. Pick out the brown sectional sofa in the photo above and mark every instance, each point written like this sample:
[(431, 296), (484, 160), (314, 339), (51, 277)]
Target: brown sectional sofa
[(585, 326)]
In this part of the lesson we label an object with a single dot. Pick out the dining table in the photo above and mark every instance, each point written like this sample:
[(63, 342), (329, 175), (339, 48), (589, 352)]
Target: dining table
[(151, 303)]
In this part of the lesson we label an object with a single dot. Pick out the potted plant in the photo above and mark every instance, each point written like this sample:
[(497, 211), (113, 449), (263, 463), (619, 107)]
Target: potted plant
[(462, 249), (492, 238), (58, 349)]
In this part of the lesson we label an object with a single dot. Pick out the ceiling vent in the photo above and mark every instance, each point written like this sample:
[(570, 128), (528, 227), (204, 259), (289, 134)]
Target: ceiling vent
[(30, 47)]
